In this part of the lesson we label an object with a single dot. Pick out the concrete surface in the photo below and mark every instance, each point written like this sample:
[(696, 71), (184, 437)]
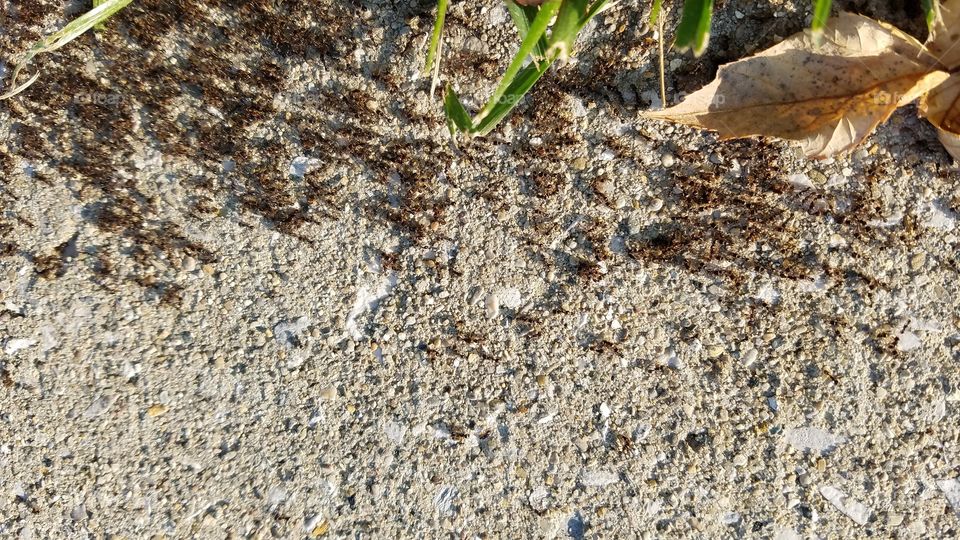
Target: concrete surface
[(248, 289)]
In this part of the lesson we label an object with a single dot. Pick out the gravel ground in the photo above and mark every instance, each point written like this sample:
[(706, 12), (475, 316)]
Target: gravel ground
[(248, 288)]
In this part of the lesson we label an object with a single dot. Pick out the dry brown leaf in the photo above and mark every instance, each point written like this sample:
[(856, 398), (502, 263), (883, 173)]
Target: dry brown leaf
[(950, 141), (941, 106), (944, 41), (827, 97)]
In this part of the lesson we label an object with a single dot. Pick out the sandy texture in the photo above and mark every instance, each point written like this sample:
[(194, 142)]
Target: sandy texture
[(248, 288)]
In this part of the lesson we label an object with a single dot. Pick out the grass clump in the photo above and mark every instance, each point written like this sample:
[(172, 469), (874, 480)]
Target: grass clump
[(547, 33), (548, 30)]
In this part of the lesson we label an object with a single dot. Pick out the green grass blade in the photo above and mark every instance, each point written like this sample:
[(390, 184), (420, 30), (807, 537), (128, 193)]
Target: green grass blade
[(522, 84), (100, 26), (458, 119), (17, 89), (930, 8), (693, 32), (572, 16), (435, 36), (537, 29), (100, 13), (655, 12), (597, 8), (81, 24), (821, 12), (523, 17), (569, 22)]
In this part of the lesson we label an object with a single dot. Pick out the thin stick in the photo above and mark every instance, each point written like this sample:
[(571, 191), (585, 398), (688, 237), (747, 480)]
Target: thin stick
[(663, 85)]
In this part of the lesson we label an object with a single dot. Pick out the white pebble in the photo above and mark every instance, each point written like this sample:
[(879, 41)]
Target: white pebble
[(750, 356), (492, 305), (18, 344), (854, 509), (907, 341), (810, 438), (951, 490)]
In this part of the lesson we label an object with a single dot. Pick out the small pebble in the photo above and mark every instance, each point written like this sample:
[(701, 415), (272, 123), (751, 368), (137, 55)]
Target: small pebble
[(667, 160), (817, 177), (492, 305), (320, 529), (918, 260), (715, 351), (156, 410)]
